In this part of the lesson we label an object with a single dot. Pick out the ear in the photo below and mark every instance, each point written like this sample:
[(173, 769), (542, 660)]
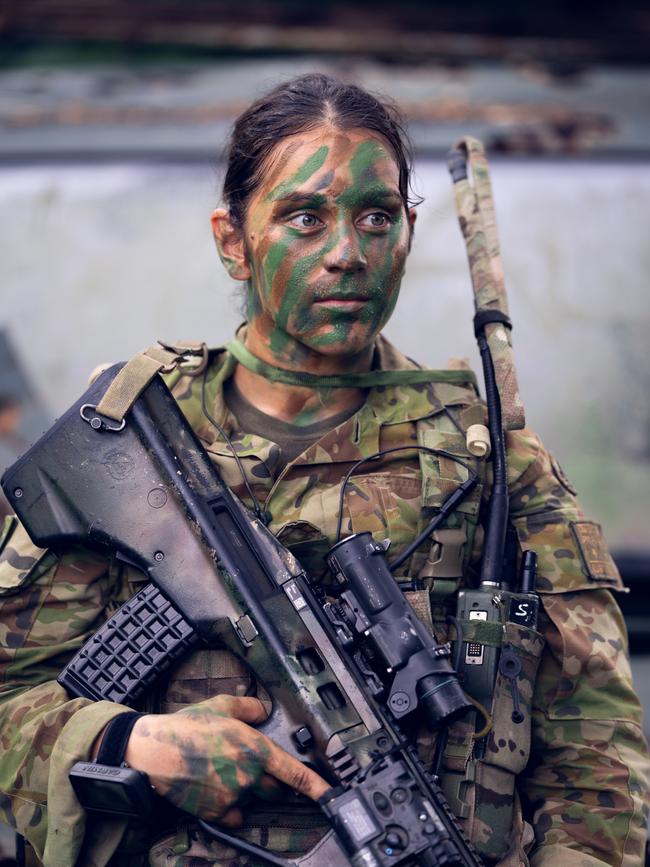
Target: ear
[(230, 245), (412, 217)]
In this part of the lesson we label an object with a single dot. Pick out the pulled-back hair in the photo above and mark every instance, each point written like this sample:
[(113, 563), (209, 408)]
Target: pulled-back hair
[(298, 105)]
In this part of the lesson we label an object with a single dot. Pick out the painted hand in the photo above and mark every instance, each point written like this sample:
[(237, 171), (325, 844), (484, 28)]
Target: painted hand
[(207, 757)]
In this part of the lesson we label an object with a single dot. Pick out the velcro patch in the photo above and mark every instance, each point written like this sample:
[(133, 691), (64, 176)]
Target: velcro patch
[(561, 476), (595, 556)]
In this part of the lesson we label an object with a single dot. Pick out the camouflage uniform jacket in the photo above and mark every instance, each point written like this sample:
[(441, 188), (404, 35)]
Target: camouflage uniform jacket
[(584, 787)]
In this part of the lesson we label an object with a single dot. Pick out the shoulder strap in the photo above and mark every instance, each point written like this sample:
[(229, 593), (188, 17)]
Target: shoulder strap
[(190, 357)]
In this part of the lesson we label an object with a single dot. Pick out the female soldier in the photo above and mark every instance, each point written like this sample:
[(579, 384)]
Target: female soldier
[(318, 226)]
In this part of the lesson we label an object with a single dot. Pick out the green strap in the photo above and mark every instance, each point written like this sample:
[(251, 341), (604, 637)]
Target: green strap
[(346, 380), (482, 632)]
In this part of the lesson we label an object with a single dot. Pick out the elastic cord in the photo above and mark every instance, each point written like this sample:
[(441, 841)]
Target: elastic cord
[(116, 737)]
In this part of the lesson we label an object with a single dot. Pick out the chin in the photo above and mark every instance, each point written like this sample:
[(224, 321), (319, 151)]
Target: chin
[(332, 346)]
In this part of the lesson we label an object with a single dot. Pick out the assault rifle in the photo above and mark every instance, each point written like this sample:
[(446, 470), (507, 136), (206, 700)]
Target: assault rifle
[(342, 673)]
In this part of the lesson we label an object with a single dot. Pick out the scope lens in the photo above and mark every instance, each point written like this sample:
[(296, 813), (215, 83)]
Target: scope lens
[(441, 699)]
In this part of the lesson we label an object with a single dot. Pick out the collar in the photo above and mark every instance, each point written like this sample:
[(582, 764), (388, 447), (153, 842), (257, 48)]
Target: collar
[(355, 438)]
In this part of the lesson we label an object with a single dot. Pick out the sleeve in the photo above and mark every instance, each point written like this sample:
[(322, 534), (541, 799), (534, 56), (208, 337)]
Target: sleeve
[(585, 790), (49, 606)]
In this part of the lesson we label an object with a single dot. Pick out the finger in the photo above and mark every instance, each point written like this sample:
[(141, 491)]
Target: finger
[(246, 708), (232, 818), (297, 776), (269, 789)]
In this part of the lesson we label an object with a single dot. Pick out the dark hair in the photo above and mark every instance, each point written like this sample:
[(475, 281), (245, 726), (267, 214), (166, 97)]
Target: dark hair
[(298, 105)]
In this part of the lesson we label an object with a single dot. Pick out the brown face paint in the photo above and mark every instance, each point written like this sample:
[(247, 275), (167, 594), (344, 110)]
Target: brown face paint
[(327, 237)]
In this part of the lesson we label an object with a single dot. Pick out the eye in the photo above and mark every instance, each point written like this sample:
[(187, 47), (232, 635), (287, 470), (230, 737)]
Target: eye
[(376, 220), (305, 221)]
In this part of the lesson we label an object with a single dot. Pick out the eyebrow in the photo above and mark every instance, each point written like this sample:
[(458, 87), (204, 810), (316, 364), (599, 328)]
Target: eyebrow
[(369, 196), (312, 200), (380, 196), (365, 198)]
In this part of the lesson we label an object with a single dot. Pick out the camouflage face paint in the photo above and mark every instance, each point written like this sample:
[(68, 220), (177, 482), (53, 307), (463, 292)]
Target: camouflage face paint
[(326, 239), (302, 175)]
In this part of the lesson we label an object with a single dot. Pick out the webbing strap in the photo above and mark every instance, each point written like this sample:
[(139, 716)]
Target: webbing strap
[(475, 207), (137, 373), (127, 386), (345, 380), (482, 632)]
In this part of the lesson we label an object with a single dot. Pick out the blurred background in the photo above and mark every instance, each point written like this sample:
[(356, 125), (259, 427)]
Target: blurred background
[(113, 118)]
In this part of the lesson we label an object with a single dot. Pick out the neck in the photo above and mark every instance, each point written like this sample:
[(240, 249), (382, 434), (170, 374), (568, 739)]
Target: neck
[(299, 405)]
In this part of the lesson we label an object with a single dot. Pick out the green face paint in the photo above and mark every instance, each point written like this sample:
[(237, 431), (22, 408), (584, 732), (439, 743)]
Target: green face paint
[(303, 174), (327, 239)]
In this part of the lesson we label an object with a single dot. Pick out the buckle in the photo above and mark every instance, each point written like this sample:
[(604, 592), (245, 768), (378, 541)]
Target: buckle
[(186, 354), (97, 421)]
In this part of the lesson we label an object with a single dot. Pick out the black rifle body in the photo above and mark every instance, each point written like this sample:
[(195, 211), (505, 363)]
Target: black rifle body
[(150, 493)]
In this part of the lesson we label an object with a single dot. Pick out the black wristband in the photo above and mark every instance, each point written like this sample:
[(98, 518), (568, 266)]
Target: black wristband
[(116, 737)]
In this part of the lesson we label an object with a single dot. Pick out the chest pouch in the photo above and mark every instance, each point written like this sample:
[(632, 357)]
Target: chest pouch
[(441, 475), (484, 756)]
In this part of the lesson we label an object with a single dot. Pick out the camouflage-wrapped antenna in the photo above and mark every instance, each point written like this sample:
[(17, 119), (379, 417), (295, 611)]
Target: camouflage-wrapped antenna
[(475, 207)]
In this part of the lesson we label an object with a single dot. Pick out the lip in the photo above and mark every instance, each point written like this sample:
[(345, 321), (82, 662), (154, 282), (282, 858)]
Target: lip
[(342, 302)]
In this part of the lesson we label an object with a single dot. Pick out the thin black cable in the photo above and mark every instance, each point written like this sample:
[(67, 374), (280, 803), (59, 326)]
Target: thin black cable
[(459, 640), (441, 743), (380, 454), (256, 504), (446, 509), (497, 521), (453, 420), (449, 503), (244, 846)]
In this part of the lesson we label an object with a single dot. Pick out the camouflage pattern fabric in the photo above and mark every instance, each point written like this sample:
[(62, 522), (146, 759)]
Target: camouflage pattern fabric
[(475, 208), (582, 791)]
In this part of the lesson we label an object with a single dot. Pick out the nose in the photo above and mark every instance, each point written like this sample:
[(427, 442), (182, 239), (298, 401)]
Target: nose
[(346, 255)]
